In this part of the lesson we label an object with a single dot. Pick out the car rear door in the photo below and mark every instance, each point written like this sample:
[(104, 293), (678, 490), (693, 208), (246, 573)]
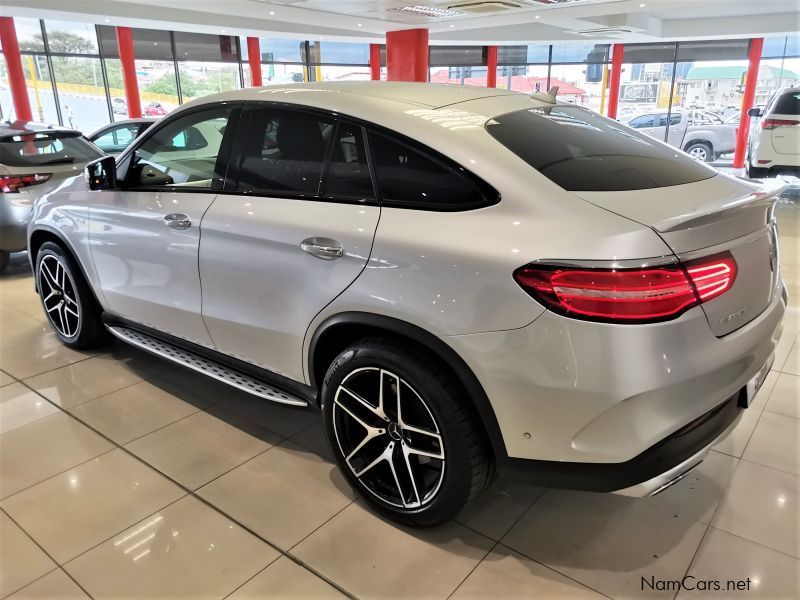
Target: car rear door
[(784, 123), (145, 235), (293, 228)]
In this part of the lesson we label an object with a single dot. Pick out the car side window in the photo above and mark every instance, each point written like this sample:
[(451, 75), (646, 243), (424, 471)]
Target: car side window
[(116, 138), (412, 177), (182, 152), (283, 152), (662, 121), (347, 174), (642, 121), (674, 120)]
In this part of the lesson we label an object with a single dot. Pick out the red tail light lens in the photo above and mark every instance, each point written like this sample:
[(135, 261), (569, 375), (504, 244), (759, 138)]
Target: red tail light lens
[(645, 295), (712, 276), (774, 123), (11, 184)]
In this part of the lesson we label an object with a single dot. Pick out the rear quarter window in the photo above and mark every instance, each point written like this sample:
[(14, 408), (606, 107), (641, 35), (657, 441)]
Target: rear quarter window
[(788, 104), (582, 151), (42, 149)]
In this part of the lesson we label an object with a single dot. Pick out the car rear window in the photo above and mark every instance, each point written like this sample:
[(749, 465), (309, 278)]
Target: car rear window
[(788, 104), (582, 151), (46, 148)]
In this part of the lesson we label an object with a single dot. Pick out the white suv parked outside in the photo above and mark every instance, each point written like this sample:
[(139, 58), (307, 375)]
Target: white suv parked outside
[(774, 144), (460, 279)]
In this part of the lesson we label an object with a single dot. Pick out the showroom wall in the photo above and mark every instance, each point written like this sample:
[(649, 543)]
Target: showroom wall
[(74, 77)]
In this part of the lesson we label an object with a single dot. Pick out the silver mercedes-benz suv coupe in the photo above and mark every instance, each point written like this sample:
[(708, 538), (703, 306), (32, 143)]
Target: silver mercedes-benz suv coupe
[(460, 279)]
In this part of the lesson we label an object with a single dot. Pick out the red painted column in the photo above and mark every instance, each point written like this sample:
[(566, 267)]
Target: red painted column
[(613, 84), (16, 75), (128, 61), (491, 66), (254, 58), (407, 55), (375, 62), (750, 85)]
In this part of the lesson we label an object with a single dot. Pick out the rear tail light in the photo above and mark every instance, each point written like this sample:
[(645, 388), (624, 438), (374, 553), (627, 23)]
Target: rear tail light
[(11, 184), (644, 295), (769, 124)]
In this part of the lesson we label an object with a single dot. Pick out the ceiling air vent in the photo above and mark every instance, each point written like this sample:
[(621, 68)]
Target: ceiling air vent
[(485, 6)]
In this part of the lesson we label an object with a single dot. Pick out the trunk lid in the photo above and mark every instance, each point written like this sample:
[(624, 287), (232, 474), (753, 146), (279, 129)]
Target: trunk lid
[(708, 217)]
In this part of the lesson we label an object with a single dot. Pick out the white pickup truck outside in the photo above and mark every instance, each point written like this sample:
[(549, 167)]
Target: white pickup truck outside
[(702, 134)]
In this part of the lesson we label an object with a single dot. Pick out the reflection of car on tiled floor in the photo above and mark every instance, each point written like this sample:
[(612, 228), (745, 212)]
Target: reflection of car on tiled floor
[(122, 475)]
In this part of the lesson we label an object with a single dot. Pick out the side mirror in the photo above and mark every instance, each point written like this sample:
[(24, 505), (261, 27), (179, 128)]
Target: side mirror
[(101, 174), (755, 112)]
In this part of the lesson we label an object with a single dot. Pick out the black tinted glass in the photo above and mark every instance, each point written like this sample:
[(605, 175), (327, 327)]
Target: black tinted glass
[(416, 179), (284, 152), (348, 173), (788, 104), (42, 149), (643, 121), (583, 151)]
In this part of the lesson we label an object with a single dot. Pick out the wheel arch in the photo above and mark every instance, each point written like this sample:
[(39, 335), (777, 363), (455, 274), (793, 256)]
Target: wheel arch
[(704, 141), (39, 237), (338, 331)]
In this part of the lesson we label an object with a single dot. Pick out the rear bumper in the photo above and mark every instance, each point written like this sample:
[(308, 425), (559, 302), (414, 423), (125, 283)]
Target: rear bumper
[(14, 221), (568, 391), (647, 474)]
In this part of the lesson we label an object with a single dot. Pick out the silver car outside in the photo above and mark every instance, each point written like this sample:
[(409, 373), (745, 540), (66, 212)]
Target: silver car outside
[(15, 207)]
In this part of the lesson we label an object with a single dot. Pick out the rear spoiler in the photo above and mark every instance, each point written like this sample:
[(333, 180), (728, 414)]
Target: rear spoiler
[(715, 222), (40, 134)]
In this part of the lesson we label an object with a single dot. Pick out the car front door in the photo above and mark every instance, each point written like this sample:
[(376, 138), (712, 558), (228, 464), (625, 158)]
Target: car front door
[(677, 129), (292, 230), (145, 234)]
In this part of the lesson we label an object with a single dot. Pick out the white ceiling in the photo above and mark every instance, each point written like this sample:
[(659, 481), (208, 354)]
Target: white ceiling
[(506, 22)]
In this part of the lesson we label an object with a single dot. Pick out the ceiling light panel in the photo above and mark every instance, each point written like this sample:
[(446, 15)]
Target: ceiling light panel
[(427, 11)]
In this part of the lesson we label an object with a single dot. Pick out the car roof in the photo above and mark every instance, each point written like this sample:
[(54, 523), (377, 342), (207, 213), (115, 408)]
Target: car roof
[(8, 128), (134, 121), (428, 95)]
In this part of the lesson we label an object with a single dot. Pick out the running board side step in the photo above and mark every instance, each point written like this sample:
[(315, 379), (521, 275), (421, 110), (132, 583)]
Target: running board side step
[(203, 365)]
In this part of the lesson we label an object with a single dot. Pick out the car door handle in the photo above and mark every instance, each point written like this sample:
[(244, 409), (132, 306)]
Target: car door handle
[(322, 247), (177, 221)]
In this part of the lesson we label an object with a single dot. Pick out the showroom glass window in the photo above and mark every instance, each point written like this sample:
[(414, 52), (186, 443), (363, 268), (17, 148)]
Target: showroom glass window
[(577, 70), (283, 151), (461, 65), (184, 153), (523, 68), (155, 71), (36, 67), (340, 61), (74, 52), (207, 64), (282, 61), (409, 176)]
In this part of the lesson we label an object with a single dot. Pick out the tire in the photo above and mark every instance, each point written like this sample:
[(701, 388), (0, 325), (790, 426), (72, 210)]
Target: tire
[(5, 257), (756, 172), (701, 151), (67, 300), (435, 418)]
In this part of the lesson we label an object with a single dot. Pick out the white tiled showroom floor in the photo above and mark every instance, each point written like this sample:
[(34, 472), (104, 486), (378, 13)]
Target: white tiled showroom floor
[(121, 476)]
